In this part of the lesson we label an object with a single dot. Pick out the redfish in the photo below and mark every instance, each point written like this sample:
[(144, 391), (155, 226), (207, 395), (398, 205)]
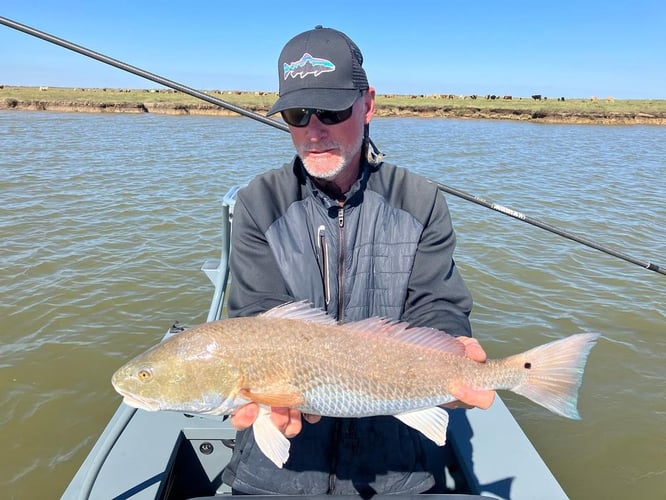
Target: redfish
[(297, 356)]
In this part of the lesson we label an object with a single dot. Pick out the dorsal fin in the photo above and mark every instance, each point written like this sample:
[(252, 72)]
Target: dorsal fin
[(399, 331), (301, 310)]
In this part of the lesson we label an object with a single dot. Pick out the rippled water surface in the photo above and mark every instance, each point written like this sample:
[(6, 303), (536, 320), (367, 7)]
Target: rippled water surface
[(105, 221)]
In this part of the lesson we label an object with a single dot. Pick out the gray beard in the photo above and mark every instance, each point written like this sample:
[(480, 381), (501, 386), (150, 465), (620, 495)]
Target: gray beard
[(345, 157)]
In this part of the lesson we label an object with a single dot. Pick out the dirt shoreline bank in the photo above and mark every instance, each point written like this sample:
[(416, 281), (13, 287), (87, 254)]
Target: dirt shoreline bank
[(599, 117)]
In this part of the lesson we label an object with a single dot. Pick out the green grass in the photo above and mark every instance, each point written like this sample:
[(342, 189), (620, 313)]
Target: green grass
[(82, 96), (569, 105), (390, 105)]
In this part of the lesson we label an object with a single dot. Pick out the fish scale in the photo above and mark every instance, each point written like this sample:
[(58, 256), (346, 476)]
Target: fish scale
[(333, 359)]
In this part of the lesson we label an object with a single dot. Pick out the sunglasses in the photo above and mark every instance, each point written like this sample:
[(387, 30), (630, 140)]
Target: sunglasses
[(300, 117)]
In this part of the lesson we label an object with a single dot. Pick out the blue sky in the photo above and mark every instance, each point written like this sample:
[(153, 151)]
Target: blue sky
[(565, 48)]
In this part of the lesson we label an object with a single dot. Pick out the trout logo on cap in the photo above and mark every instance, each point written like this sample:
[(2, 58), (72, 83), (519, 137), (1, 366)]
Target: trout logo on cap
[(307, 65)]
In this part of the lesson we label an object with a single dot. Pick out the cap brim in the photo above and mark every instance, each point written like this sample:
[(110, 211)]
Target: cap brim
[(330, 99)]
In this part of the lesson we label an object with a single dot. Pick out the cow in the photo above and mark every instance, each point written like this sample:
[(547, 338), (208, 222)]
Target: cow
[(536, 97)]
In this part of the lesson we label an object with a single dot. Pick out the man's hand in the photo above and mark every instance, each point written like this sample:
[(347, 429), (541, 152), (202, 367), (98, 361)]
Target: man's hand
[(287, 420), (466, 396)]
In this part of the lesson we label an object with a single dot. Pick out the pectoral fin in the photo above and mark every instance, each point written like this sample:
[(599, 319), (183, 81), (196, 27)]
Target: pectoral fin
[(278, 395), (432, 423), (270, 440)]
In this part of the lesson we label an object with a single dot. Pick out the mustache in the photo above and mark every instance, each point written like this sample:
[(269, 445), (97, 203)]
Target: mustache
[(321, 146)]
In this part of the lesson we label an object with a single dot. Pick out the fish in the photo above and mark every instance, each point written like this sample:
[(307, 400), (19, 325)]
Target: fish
[(307, 65), (297, 356)]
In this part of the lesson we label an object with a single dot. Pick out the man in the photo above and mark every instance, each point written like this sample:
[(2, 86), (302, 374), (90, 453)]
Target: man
[(358, 238)]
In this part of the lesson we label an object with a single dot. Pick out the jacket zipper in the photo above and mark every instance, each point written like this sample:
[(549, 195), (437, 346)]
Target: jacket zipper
[(332, 476), (341, 261), (323, 256), (338, 423)]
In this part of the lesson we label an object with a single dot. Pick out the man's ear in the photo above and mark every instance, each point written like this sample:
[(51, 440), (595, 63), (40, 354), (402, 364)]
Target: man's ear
[(369, 99)]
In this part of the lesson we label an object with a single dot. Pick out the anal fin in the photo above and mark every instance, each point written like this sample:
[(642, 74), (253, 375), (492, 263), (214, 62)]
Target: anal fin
[(431, 422)]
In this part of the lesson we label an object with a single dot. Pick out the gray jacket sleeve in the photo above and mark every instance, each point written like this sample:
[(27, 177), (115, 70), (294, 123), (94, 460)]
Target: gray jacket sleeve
[(437, 295), (256, 282)]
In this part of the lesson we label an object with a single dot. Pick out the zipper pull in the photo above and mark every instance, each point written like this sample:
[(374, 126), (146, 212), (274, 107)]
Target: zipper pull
[(323, 257), (341, 217)]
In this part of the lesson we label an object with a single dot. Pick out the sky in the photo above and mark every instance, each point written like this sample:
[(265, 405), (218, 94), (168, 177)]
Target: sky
[(568, 48)]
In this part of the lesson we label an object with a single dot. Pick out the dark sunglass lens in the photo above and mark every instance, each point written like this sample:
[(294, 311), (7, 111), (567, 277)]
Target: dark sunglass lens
[(300, 117), (333, 117), (296, 117)]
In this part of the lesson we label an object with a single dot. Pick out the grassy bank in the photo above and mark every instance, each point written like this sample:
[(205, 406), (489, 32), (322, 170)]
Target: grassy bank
[(548, 109)]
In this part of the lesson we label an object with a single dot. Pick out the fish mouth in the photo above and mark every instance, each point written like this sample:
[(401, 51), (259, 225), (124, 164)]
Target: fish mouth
[(141, 403), (137, 401)]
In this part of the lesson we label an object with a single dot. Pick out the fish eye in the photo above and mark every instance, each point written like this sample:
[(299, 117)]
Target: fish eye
[(145, 374)]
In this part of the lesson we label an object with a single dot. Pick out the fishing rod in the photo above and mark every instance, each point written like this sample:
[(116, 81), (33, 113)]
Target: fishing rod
[(281, 126), (549, 227)]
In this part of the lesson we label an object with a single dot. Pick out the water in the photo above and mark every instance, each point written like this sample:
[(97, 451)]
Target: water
[(105, 221)]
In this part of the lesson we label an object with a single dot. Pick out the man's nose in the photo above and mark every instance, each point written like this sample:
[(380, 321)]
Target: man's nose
[(316, 129)]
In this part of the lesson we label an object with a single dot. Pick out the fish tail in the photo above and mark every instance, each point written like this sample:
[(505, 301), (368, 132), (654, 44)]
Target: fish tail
[(555, 372)]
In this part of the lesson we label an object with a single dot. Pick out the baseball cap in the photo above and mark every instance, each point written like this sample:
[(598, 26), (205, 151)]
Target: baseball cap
[(322, 69)]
